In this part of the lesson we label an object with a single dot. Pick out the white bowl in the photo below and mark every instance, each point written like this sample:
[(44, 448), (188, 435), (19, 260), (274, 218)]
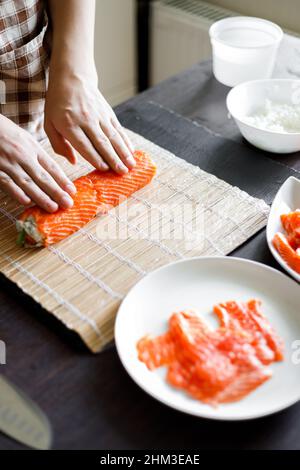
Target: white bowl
[(286, 200), (244, 48), (247, 98)]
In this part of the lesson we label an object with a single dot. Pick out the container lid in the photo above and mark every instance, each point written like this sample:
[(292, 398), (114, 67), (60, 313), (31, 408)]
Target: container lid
[(246, 32)]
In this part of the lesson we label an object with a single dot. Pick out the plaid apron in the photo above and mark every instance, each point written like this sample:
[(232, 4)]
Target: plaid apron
[(24, 61)]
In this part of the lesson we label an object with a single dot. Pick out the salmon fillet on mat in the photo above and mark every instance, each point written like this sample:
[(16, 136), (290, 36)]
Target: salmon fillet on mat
[(97, 192)]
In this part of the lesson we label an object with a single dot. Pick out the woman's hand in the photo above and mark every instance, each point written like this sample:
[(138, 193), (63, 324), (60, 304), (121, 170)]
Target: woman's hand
[(76, 113), (28, 174)]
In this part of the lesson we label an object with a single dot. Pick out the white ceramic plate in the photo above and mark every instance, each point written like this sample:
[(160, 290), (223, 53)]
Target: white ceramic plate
[(199, 283), (286, 200)]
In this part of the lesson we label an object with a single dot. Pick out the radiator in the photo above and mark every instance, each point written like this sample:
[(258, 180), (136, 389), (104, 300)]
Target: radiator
[(179, 35)]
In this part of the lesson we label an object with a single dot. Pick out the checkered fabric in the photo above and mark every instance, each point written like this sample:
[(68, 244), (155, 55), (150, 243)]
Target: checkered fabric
[(24, 61)]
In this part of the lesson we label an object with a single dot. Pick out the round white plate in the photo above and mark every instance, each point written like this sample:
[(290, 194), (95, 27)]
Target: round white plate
[(199, 283)]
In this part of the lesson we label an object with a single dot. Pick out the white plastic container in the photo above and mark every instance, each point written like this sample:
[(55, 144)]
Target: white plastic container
[(244, 48)]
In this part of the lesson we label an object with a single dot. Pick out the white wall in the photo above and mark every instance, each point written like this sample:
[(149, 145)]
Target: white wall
[(115, 52), (284, 12), (177, 42)]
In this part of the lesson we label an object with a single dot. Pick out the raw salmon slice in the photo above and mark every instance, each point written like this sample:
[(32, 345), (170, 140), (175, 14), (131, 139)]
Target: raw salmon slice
[(156, 352), (288, 246), (287, 253), (199, 367), (262, 325), (248, 318), (97, 192), (291, 224), (215, 366), (245, 383)]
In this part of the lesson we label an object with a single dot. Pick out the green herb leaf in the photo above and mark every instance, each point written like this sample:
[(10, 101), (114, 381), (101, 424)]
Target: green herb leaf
[(21, 238)]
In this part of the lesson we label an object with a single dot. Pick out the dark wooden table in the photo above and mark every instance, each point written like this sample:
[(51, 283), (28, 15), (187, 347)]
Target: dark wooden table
[(90, 400)]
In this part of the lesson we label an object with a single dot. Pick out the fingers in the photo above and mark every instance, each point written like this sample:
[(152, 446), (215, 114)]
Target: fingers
[(83, 145), (123, 134), (57, 173), (104, 148), (14, 191), (28, 174), (95, 132), (32, 191), (118, 144), (42, 187), (59, 144)]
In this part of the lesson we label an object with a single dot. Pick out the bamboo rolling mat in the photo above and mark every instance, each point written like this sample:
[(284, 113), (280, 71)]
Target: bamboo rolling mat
[(184, 212)]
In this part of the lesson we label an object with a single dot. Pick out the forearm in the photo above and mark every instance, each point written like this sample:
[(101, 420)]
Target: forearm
[(77, 116), (73, 36)]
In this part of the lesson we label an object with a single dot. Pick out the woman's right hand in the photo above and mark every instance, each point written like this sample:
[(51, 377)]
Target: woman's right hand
[(28, 174)]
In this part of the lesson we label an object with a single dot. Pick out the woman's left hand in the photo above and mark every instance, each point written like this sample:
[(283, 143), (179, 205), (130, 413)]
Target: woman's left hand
[(77, 116)]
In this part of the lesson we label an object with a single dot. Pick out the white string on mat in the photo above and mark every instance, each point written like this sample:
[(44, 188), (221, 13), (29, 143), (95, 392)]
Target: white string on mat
[(202, 176), (7, 214), (123, 243), (85, 273), (196, 171), (60, 300), (144, 251), (205, 177), (109, 249), (160, 245), (205, 206), (172, 219), (71, 262), (183, 225), (227, 187)]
